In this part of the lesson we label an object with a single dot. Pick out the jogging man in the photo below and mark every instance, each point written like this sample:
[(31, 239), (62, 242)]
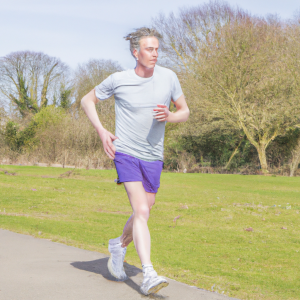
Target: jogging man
[(142, 100)]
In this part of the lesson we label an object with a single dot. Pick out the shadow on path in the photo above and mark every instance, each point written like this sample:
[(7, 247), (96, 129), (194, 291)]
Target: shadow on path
[(99, 266)]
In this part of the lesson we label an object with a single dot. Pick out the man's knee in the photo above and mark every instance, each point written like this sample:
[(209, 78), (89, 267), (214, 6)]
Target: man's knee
[(142, 212)]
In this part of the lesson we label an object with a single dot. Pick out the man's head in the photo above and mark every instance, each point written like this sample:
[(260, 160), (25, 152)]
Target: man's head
[(144, 43)]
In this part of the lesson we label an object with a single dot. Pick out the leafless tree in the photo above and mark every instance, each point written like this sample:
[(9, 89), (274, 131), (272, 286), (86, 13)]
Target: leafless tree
[(86, 77), (30, 80)]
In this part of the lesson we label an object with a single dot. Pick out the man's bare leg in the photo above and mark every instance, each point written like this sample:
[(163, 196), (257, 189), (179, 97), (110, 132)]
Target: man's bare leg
[(117, 246), (127, 236), (141, 236), (141, 211), (136, 229)]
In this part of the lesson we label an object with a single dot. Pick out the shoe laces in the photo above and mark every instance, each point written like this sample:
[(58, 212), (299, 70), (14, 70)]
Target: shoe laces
[(149, 272)]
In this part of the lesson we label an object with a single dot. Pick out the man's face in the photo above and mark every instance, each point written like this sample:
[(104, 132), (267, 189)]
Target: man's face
[(147, 56)]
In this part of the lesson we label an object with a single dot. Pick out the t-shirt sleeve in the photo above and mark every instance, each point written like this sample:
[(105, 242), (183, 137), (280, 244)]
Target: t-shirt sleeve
[(176, 88), (105, 89)]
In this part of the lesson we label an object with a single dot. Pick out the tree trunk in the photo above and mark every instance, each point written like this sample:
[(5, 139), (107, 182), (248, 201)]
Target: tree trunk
[(262, 158), (295, 159), (233, 153)]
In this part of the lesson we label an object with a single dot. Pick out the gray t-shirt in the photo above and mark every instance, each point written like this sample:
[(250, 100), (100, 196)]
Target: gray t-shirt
[(140, 135)]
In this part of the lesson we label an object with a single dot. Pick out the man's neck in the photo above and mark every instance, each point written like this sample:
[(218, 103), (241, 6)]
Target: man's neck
[(142, 71)]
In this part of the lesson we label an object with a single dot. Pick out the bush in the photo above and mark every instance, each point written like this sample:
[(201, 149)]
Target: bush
[(71, 141)]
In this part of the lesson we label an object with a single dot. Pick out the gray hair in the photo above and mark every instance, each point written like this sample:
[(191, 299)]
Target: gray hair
[(138, 34)]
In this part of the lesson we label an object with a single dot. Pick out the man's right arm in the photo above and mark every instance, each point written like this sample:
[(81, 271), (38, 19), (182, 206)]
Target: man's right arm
[(88, 104)]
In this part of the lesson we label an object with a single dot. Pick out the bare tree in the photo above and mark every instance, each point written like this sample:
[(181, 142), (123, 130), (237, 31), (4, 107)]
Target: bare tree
[(86, 77), (30, 79), (92, 73), (239, 70)]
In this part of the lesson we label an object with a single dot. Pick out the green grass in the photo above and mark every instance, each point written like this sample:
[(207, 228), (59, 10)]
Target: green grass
[(208, 247)]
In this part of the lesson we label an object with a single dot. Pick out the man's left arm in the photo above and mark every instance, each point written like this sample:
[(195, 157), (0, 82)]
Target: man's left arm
[(181, 115)]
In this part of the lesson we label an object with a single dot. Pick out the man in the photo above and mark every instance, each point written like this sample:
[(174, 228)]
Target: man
[(142, 100)]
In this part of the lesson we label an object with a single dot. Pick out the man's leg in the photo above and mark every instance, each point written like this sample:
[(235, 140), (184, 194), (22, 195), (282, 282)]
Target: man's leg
[(141, 211), (117, 246), (141, 235), (127, 236)]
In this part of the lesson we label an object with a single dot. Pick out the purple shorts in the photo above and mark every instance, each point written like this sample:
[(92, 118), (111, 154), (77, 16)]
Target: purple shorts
[(130, 168)]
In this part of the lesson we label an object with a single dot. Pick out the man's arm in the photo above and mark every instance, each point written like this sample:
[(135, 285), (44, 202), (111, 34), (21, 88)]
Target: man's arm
[(181, 115), (88, 104)]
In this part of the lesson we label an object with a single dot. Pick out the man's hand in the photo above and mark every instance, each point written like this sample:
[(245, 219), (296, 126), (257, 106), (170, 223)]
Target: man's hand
[(162, 113), (181, 115), (107, 138)]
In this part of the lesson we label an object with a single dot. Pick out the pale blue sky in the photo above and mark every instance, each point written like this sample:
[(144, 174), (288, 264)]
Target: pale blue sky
[(78, 30)]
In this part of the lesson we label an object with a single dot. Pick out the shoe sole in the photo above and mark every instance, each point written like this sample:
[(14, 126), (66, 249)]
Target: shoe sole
[(158, 287), (109, 266)]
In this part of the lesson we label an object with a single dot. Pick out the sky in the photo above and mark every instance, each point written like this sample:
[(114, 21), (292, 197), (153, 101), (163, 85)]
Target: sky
[(79, 30)]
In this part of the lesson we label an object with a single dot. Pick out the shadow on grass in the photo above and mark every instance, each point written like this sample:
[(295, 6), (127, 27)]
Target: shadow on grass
[(99, 266)]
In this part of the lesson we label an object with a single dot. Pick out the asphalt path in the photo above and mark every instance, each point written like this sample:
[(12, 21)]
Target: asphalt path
[(38, 269)]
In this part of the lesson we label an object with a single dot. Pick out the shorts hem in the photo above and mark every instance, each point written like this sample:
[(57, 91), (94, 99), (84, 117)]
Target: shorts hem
[(153, 191), (148, 190), (122, 181)]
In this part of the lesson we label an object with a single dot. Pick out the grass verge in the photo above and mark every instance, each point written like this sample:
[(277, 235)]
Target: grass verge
[(207, 246)]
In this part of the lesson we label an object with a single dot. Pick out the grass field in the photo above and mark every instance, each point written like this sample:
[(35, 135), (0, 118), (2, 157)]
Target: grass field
[(208, 247)]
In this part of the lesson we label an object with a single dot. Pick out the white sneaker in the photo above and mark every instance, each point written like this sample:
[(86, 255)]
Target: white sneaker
[(152, 283), (115, 262)]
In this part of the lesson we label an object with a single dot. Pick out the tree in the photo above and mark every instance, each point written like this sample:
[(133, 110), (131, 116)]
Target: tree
[(11, 136), (239, 70), (65, 97), (2, 128), (2, 115), (30, 79), (87, 76), (294, 32), (295, 161), (92, 73)]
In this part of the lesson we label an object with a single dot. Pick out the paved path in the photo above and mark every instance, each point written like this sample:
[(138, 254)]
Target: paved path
[(38, 269)]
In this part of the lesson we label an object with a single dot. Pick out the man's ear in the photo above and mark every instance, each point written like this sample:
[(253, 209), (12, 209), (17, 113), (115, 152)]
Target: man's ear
[(135, 53)]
